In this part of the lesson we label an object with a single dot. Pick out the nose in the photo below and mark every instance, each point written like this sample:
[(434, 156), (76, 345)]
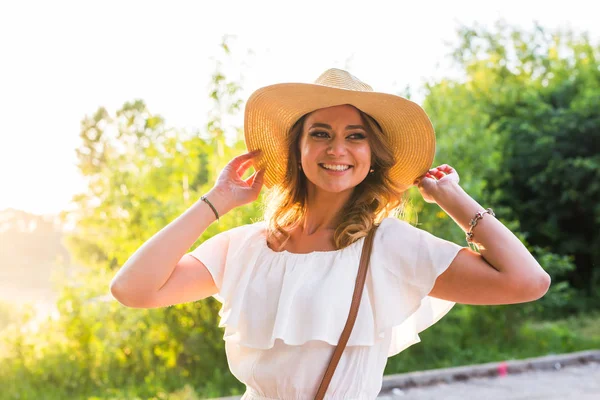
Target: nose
[(337, 147)]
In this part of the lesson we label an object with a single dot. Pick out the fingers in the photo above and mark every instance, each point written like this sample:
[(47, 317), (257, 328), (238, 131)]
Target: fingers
[(243, 167), (446, 169), (255, 181), (258, 179), (436, 173), (421, 178), (440, 172), (236, 162)]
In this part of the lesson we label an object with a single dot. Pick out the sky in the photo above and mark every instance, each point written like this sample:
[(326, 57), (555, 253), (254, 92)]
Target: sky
[(61, 60)]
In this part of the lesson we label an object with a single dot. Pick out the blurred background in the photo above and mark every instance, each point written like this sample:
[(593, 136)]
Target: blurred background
[(118, 115)]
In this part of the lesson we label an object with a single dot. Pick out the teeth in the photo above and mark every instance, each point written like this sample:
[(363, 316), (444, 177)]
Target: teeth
[(336, 167)]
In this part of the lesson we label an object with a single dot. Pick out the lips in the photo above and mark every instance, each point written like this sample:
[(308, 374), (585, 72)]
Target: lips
[(335, 167)]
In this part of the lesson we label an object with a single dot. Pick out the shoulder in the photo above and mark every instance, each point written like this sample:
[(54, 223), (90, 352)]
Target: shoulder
[(395, 227), (391, 223), (411, 252), (394, 235), (393, 230)]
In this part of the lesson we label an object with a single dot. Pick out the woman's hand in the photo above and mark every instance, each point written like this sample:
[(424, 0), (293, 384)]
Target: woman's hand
[(435, 181), (230, 190)]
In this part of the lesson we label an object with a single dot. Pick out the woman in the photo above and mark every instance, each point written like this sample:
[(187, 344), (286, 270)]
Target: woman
[(337, 157)]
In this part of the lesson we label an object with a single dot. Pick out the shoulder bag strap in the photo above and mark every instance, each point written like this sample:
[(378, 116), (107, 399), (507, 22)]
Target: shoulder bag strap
[(358, 289)]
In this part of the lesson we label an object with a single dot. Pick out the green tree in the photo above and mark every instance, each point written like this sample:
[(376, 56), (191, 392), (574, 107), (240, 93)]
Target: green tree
[(523, 128), (141, 175)]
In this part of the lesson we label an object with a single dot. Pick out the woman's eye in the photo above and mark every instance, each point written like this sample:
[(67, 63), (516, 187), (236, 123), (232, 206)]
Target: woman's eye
[(357, 136), (323, 134)]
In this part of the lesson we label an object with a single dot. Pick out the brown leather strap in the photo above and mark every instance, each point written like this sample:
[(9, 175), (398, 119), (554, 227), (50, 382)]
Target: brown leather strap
[(358, 289)]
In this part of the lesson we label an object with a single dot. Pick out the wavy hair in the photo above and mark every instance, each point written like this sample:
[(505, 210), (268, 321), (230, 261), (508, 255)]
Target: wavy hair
[(372, 200)]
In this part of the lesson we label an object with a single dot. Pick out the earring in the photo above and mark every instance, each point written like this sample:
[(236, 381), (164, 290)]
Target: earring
[(300, 166), (371, 171)]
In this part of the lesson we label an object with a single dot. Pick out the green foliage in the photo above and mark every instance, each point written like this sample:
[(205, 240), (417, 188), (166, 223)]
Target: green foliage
[(520, 130), (98, 346), (522, 127), (544, 105), (472, 335), (141, 174)]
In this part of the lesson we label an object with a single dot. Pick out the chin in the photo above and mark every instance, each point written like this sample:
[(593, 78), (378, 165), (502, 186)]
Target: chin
[(336, 188)]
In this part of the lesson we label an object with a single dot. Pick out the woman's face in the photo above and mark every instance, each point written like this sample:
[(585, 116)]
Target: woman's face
[(334, 148)]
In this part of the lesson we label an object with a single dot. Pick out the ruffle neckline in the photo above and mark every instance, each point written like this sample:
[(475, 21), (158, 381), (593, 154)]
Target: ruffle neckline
[(317, 253), (299, 297)]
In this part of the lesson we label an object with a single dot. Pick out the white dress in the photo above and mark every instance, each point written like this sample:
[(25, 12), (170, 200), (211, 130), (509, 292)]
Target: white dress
[(284, 312)]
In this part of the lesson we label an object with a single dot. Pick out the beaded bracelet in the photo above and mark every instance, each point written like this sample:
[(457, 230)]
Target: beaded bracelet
[(204, 199), (473, 223)]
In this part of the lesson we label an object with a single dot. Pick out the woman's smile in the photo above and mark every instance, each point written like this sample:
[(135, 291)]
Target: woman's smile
[(335, 169)]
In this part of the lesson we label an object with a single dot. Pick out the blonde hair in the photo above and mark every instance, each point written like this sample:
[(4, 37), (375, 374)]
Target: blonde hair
[(374, 199)]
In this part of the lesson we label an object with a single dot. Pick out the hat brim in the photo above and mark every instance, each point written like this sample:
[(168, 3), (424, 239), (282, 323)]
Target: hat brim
[(271, 111)]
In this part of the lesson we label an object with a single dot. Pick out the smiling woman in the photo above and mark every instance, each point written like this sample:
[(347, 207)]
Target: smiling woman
[(337, 158), (320, 143)]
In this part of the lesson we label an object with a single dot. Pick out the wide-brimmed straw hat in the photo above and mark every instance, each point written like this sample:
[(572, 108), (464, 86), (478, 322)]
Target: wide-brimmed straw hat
[(271, 112)]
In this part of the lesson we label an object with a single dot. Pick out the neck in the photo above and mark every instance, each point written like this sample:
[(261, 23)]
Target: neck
[(322, 209)]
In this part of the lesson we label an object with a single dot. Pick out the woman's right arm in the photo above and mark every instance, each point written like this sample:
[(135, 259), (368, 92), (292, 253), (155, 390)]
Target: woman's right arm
[(160, 273)]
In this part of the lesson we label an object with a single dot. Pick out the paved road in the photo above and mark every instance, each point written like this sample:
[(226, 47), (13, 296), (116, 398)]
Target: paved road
[(573, 382)]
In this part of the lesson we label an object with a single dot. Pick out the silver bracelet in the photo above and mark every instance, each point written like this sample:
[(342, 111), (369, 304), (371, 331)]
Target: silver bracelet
[(473, 222)]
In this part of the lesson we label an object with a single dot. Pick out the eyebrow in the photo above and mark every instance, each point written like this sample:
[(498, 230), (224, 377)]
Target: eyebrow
[(326, 126)]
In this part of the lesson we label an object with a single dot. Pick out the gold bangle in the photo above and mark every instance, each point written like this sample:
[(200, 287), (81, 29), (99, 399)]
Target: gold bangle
[(204, 199)]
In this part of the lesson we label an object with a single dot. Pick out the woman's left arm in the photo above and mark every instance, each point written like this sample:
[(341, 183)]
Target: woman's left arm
[(516, 276)]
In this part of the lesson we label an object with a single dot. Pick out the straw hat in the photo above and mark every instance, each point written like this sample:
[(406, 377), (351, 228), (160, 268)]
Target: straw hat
[(271, 111)]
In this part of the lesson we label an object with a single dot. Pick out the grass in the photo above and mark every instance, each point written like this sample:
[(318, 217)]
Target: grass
[(442, 346)]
